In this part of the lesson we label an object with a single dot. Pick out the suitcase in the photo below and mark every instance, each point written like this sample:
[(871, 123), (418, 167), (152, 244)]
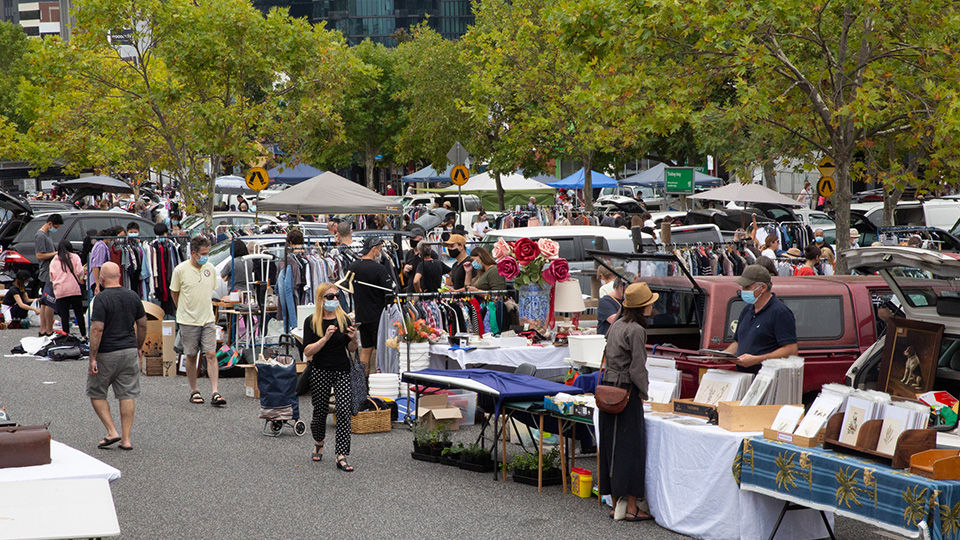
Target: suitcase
[(24, 446)]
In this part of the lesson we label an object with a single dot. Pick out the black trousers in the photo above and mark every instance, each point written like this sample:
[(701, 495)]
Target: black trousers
[(63, 309), (321, 383)]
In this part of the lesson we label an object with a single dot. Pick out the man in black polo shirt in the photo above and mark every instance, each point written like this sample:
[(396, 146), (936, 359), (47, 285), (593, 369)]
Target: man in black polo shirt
[(766, 328)]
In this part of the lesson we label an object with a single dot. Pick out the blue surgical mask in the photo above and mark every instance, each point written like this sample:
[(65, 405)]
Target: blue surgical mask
[(203, 260), (331, 305), (819, 239), (476, 265), (54, 229), (133, 234), (748, 297)]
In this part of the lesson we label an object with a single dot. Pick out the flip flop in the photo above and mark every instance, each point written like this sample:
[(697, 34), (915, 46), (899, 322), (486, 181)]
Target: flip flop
[(107, 443), (629, 516), (122, 447)]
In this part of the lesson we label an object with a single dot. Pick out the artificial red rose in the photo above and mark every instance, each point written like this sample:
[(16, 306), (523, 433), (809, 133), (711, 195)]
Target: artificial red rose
[(557, 272), (526, 250), (508, 268)]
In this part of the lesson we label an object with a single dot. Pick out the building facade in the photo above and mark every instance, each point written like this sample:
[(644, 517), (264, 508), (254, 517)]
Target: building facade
[(39, 18), (379, 20)]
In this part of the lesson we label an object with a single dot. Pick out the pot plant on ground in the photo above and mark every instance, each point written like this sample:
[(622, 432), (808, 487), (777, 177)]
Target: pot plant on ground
[(525, 468), (439, 439), (451, 454), (475, 458), (422, 436)]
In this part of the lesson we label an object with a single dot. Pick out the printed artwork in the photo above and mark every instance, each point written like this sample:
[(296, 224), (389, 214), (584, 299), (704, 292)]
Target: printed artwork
[(910, 358), (853, 421), (892, 428), (712, 392)]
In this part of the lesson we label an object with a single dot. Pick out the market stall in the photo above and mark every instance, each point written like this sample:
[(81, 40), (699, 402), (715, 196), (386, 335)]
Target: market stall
[(548, 359), (517, 189)]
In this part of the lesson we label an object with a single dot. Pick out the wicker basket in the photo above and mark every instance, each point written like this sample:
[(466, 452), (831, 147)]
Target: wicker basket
[(377, 421)]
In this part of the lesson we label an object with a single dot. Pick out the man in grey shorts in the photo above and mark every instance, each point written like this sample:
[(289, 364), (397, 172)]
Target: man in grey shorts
[(115, 353)]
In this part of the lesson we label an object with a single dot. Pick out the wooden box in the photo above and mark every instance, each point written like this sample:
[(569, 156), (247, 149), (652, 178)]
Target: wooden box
[(910, 442), (690, 407), (796, 440), (936, 464), (734, 417), (151, 366), (661, 407)]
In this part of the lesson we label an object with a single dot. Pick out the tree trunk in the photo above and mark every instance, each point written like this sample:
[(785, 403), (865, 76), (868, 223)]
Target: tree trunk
[(841, 205), (769, 174), (369, 161), (587, 162), (890, 199), (500, 194)]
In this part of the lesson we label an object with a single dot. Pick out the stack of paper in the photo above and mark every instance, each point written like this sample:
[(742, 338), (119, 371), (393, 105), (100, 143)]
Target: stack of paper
[(862, 406), (897, 418), (787, 418), (718, 385), (826, 404), (780, 381), (664, 379)]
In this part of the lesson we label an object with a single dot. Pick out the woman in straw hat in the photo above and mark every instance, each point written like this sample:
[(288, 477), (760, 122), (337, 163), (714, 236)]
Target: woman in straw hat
[(622, 439)]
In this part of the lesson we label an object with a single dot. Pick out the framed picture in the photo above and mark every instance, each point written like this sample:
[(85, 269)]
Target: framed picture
[(910, 357)]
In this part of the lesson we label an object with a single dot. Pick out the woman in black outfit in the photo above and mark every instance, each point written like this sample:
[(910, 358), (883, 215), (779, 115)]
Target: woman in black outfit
[(328, 337), (16, 297), (623, 449)]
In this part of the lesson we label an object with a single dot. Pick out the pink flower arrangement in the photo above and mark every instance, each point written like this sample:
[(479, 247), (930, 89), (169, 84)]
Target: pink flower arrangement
[(508, 268), (557, 272), (526, 250), (502, 249), (548, 248), (526, 261)]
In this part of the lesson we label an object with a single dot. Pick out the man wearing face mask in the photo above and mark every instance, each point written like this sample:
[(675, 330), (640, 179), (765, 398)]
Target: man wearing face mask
[(192, 286), (818, 238), (46, 250), (462, 268), (133, 229), (429, 275), (371, 283), (766, 327)]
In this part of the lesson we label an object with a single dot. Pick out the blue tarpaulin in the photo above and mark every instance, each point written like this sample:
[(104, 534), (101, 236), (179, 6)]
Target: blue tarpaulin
[(293, 175), (576, 181), (428, 174)]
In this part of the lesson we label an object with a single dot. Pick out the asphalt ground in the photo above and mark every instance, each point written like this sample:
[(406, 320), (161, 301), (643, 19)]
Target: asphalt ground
[(201, 472)]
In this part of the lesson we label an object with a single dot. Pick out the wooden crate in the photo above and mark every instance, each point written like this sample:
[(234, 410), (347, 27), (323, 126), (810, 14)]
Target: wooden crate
[(734, 417), (151, 366), (796, 440)]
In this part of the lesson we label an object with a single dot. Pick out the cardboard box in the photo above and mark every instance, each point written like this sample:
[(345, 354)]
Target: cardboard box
[(436, 412), (734, 417)]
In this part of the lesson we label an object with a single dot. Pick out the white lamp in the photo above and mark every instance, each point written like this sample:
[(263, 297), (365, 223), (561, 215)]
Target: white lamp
[(568, 299)]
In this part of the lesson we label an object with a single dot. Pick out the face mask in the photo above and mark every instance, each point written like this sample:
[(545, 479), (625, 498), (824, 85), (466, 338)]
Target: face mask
[(413, 244), (331, 305), (819, 239), (253, 208), (54, 229), (175, 223), (133, 234), (453, 252), (476, 265), (748, 297), (203, 260)]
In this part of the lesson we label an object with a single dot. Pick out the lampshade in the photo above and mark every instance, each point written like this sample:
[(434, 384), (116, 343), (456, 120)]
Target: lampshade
[(568, 298)]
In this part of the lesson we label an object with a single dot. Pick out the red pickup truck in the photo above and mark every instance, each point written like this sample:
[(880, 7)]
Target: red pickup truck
[(836, 317)]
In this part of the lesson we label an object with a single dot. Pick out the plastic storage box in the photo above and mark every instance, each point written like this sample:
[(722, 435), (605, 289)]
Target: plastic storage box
[(587, 349), (466, 401)]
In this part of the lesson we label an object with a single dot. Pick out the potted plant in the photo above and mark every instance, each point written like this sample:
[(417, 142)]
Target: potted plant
[(525, 468), (412, 337), (451, 454), (421, 443), (476, 458), (439, 439)]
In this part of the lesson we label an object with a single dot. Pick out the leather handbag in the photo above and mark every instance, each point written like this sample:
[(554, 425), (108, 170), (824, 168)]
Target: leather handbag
[(610, 399), (24, 446)]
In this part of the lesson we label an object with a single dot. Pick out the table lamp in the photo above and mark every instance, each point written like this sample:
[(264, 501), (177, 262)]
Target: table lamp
[(568, 299)]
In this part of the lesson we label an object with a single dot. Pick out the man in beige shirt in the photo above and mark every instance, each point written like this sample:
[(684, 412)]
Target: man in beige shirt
[(192, 286)]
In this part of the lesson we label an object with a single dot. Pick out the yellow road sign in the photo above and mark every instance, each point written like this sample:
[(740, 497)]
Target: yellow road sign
[(826, 186), (257, 179), (459, 175), (826, 167)]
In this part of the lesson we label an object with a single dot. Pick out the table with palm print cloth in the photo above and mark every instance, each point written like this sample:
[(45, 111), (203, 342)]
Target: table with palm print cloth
[(859, 488)]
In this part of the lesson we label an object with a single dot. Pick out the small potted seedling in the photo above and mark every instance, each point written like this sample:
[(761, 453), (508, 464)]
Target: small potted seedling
[(421, 443), (525, 468), (451, 454), (475, 458)]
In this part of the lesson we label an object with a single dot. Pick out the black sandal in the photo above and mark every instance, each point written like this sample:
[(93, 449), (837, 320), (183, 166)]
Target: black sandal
[(343, 465), (317, 454), (196, 398), (217, 400)]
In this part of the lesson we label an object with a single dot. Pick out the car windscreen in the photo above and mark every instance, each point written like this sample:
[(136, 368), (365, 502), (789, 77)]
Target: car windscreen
[(923, 288)]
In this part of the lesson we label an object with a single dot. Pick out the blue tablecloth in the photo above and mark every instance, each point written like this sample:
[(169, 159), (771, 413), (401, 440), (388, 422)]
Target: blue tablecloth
[(859, 488)]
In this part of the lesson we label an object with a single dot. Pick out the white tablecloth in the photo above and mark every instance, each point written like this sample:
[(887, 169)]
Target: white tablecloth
[(691, 489), (547, 357), (66, 463)]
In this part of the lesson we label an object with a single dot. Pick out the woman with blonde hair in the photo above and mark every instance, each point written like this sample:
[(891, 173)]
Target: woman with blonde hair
[(827, 261), (328, 338)]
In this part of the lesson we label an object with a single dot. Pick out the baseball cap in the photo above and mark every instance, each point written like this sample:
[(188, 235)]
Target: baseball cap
[(369, 243), (753, 273), (456, 239)]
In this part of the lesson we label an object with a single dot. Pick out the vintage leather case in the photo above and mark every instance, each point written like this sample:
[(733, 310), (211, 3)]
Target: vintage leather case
[(24, 446)]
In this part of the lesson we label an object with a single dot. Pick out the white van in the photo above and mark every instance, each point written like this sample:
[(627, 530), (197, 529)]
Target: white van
[(940, 213)]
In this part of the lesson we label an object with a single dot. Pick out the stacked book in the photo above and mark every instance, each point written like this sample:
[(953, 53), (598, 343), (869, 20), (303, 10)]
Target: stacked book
[(718, 385), (831, 400), (664, 379), (779, 381)]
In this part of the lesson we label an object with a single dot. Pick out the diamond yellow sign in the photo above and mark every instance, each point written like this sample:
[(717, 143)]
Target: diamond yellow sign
[(257, 179), (826, 167), (459, 175)]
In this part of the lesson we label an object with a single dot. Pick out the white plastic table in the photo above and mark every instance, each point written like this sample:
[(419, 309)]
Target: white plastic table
[(66, 463), (51, 509)]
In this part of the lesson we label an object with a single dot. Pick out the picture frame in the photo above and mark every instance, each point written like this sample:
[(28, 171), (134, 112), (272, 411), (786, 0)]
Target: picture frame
[(910, 356)]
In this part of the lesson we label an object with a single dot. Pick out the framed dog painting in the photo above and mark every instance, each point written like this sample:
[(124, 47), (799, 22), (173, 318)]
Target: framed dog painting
[(910, 357)]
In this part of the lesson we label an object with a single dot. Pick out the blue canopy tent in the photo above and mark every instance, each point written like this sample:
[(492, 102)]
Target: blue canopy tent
[(293, 175), (576, 181), (428, 174), (654, 177)]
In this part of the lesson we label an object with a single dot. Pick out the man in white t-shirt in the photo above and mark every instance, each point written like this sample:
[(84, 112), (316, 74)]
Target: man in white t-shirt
[(481, 227)]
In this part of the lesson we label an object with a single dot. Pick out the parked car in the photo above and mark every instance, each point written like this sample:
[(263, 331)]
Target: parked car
[(940, 213), (836, 319), (22, 252), (649, 197), (235, 220)]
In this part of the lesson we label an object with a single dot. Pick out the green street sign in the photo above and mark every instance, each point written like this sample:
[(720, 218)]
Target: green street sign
[(678, 180)]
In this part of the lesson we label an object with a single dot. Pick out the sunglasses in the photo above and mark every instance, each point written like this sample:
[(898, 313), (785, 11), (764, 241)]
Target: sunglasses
[(330, 296)]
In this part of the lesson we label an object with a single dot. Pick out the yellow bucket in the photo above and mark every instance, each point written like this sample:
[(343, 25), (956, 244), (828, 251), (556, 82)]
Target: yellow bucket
[(581, 482)]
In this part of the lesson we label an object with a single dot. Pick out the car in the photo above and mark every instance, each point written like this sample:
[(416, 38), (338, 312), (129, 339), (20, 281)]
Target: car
[(836, 318), (940, 213), (471, 203), (574, 241), (22, 252), (193, 224), (649, 197)]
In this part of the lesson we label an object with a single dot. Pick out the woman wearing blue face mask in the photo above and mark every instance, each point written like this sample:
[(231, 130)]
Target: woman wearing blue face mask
[(485, 267), (328, 338)]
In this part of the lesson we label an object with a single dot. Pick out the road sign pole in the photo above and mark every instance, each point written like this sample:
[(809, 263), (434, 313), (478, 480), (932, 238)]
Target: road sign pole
[(460, 204)]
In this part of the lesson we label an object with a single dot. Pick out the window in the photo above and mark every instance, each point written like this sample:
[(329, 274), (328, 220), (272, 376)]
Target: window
[(675, 308), (818, 317)]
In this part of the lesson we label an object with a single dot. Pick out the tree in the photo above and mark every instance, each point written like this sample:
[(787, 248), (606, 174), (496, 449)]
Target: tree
[(14, 45), (197, 83)]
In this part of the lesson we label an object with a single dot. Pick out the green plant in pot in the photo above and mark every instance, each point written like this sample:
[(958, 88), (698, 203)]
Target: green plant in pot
[(450, 455), (475, 454), (421, 437), (436, 440), (526, 465)]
